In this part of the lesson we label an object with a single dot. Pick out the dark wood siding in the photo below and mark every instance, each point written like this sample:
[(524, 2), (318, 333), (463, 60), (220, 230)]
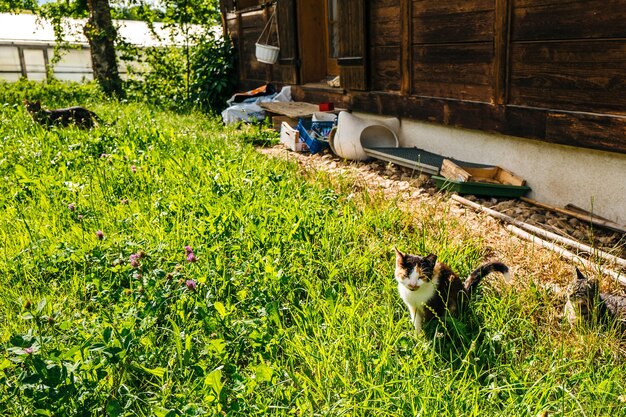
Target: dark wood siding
[(569, 55), (582, 75), (386, 41), (252, 24), (568, 19), (287, 69), (352, 44), (452, 49)]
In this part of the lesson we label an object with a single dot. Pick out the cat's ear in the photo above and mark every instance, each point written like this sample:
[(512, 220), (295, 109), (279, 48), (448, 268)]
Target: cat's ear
[(399, 255), (580, 275), (431, 259)]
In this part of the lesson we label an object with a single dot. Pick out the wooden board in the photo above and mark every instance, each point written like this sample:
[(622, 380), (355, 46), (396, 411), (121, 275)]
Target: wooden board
[(584, 129), (572, 19), (293, 109), (492, 174), (436, 21)]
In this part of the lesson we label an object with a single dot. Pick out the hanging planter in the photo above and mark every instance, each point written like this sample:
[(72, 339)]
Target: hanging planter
[(266, 53)]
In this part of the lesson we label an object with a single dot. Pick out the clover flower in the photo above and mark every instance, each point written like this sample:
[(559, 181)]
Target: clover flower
[(100, 234), (191, 257), (71, 207), (191, 284), (134, 260)]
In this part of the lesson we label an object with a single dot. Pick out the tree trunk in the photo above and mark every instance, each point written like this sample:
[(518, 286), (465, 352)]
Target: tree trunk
[(101, 35)]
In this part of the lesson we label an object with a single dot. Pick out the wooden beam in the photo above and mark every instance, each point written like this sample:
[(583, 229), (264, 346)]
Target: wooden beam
[(593, 252), (20, 53), (267, 14), (46, 63), (242, 68), (591, 219), (603, 132), (501, 49), (406, 60)]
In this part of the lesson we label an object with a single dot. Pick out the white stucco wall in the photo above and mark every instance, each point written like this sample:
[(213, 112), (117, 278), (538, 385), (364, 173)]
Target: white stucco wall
[(558, 175)]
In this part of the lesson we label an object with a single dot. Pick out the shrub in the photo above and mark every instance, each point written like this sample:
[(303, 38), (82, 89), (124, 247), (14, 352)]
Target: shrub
[(206, 83), (213, 73)]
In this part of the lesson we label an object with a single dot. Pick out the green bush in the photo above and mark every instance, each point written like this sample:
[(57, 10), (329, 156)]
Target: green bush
[(213, 73), (202, 77)]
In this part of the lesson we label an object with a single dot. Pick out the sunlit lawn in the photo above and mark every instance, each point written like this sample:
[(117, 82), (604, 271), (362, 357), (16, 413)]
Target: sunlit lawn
[(283, 304)]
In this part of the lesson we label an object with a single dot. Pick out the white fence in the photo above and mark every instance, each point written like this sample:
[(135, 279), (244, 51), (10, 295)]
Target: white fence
[(35, 63), (27, 46)]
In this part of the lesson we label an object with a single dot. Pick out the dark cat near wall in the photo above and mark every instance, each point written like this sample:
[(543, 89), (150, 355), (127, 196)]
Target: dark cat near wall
[(78, 116), (430, 288), (584, 299)]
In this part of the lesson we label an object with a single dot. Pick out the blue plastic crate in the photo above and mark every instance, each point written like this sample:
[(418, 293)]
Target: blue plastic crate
[(315, 134)]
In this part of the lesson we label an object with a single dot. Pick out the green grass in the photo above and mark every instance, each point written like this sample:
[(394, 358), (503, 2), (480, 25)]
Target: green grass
[(295, 310)]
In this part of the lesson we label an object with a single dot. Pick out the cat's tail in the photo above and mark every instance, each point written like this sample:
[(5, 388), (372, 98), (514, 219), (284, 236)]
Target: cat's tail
[(482, 271)]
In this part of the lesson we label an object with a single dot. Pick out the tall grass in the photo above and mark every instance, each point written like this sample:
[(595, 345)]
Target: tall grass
[(288, 306)]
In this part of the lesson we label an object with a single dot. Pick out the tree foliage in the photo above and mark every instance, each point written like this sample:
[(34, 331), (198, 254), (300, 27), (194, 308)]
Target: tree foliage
[(197, 72), (12, 6)]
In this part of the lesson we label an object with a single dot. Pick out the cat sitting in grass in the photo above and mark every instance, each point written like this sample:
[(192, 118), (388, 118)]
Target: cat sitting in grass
[(78, 116), (430, 288), (585, 300)]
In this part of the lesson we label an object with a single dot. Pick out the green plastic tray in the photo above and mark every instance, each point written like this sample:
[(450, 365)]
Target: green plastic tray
[(480, 188)]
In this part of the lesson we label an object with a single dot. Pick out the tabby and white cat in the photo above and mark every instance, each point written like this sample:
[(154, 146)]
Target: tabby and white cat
[(430, 288), (584, 299), (76, 115)]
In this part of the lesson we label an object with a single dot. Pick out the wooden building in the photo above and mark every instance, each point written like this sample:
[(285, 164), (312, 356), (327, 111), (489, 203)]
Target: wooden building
[(548, 72)]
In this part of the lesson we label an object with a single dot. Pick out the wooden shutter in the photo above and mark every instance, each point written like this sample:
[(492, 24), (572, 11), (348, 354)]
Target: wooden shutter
[(352, 44), (287, 69)]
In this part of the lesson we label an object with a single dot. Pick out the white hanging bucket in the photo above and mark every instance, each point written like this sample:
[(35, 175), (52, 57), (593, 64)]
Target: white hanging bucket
[(266, 53)]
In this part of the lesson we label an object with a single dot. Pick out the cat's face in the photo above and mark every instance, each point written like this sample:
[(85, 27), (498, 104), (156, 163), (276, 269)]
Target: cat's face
[(582, 294), (413, 271), (32, 106)]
